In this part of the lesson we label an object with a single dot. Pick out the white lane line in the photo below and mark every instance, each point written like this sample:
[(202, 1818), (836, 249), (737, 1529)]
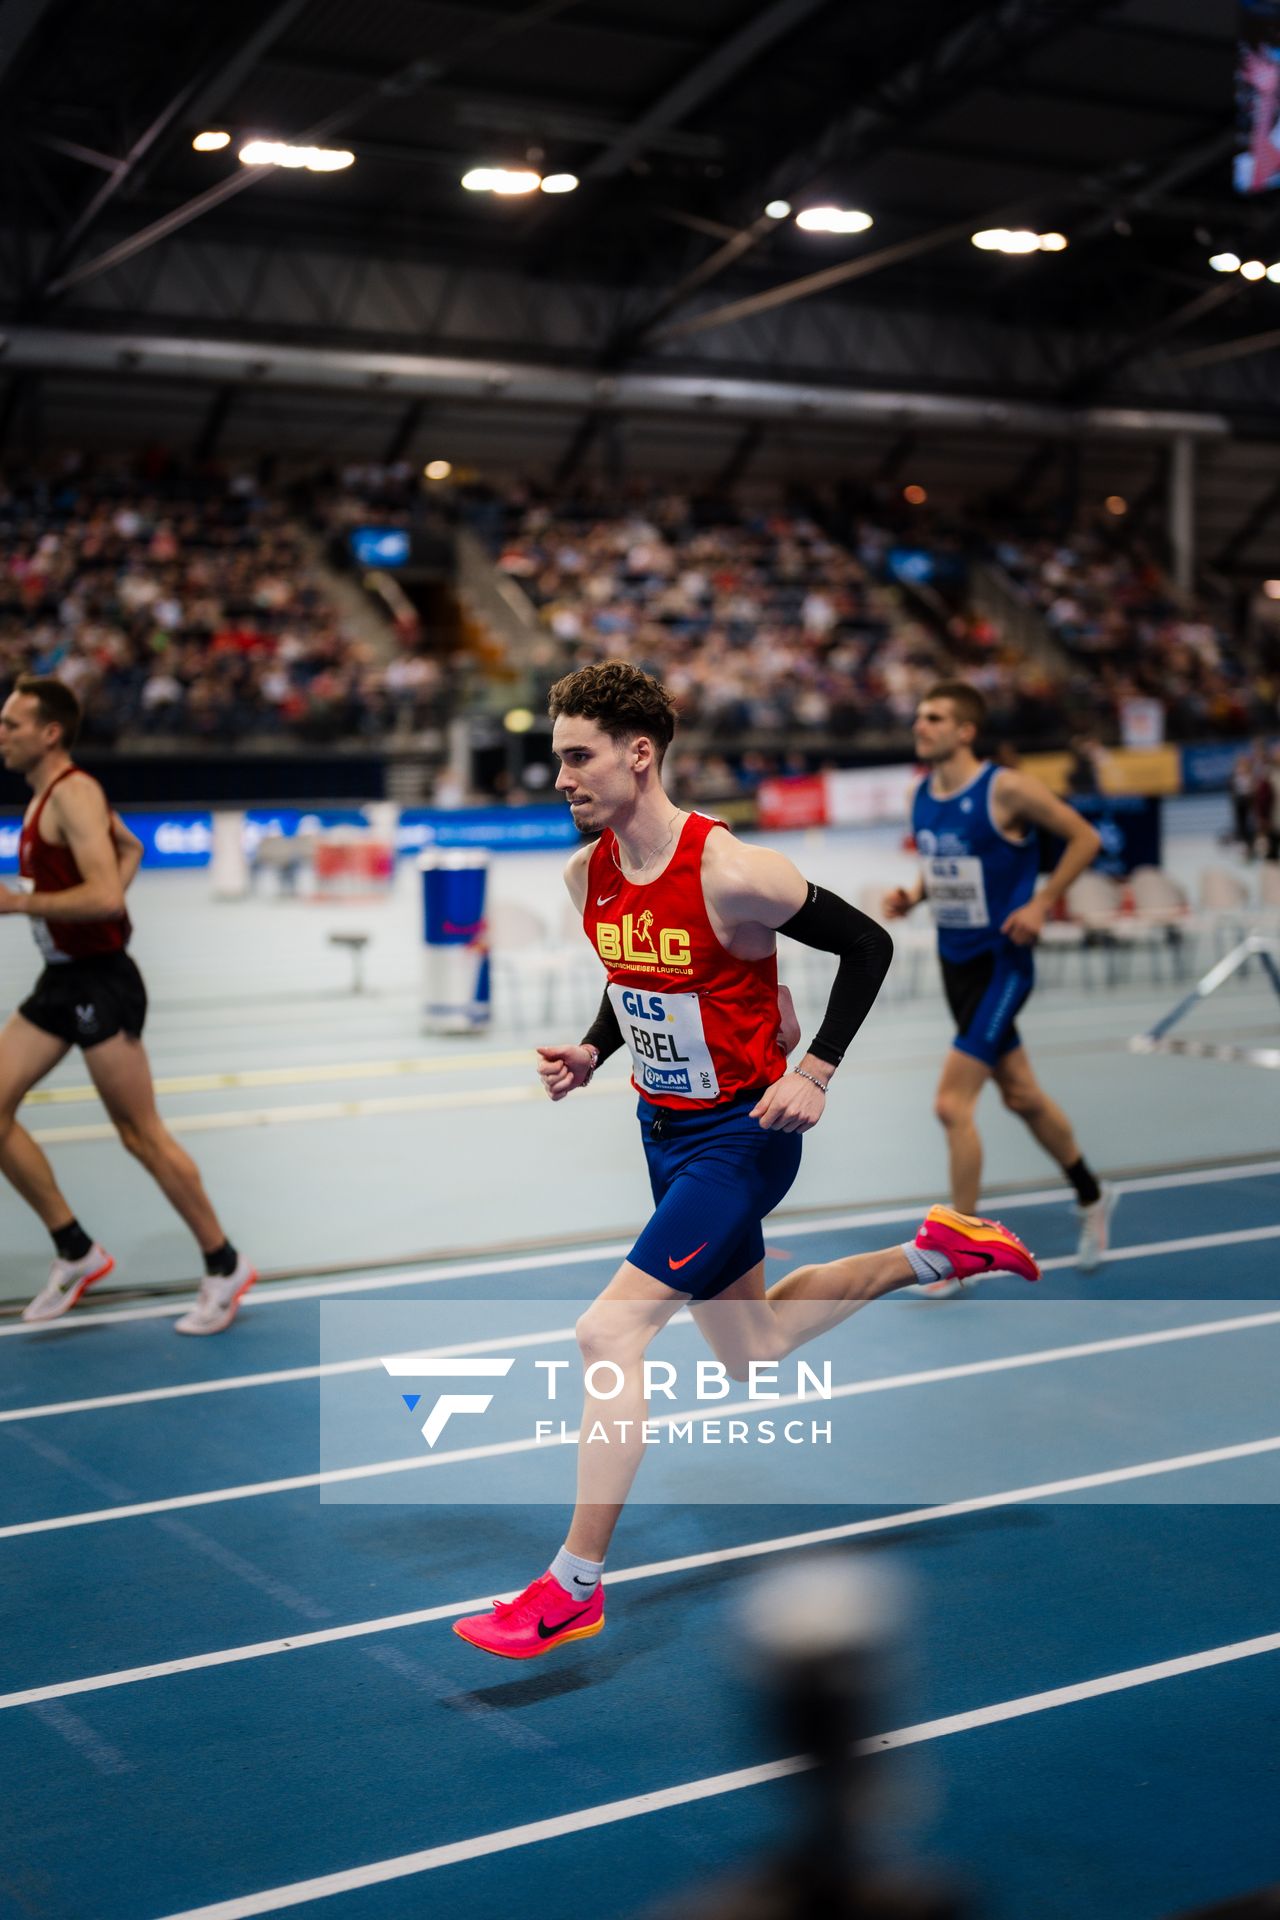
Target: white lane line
[(232, 1383), (299, 1076), (717, 1410), (322, 1110), (364, 1283), (283, 1376), (469, 1270), (651, 1570), (780, 1227), (1196, 1243), (610, 1812)]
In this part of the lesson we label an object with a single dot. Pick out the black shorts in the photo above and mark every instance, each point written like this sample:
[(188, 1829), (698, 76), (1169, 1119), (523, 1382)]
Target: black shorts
[(984, 995), (85, 1002)]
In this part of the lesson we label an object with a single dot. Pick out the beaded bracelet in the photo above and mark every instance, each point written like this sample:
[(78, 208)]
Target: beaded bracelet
[(813, 1080)]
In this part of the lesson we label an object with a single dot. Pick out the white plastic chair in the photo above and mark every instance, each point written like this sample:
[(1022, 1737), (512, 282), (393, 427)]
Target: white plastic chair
[(1268, 919), (1060, 938), (1093, 899), (1224, 901), (520, 958), (1157, 897)]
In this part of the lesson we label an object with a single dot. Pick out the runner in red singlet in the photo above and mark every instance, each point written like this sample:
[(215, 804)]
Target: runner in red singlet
[(685, 918), (77, 858)]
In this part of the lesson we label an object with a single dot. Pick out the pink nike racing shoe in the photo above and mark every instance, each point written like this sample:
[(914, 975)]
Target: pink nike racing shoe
[(542, 1617), (975, 1247)]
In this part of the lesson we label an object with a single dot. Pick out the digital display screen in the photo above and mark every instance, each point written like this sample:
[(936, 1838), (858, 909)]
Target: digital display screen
[(922, 566), (1257, 157), (380, 546)]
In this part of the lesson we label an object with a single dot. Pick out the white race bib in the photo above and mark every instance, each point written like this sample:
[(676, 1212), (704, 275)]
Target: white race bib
[(956, 891), (40, 933), (664, 1036)]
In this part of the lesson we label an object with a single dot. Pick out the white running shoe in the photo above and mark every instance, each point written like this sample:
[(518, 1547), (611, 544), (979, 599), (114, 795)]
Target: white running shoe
[(1095, 1231), (68, 1279), (218, 1301)]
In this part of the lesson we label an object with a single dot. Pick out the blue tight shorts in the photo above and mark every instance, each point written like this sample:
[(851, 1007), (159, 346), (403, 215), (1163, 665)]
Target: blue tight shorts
[(715, 1174), (985, 995)]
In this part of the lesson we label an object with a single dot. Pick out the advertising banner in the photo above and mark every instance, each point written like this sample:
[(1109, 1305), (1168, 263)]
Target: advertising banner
[(870, 796), (1142, 770), (800, 801), (496, 829), (1130, 826)]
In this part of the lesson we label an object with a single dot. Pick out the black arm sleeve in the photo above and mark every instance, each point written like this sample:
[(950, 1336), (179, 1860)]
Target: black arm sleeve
[(604, 1033), (829, 923)]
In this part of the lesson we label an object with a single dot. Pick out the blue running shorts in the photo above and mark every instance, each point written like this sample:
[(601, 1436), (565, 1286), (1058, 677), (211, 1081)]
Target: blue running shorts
[(985, 995), (715, 1174)]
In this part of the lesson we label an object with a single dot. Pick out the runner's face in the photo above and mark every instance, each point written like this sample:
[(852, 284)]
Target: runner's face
[(596, 776), (23, 735), (939, 733)]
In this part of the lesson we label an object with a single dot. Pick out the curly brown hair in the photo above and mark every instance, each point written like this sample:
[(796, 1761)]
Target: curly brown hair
[(622, 701)]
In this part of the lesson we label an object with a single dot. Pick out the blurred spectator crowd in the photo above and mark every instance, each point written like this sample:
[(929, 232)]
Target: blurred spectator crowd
[(760, 623), (180, 605), (1108, 606), (767, 622)]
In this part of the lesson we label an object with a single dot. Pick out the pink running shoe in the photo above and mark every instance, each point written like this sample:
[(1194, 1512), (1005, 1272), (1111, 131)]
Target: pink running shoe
[(975, 1247), (542, 1617)]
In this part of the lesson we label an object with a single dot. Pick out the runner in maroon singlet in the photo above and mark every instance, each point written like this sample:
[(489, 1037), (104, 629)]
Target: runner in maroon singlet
[(77, 859), (685, 919)]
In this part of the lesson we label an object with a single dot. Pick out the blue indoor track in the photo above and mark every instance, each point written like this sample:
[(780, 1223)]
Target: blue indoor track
[(224, 1696)]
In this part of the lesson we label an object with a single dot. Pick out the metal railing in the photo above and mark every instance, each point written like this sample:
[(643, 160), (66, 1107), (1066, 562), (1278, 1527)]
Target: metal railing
[(499, 604), (1000, 600)]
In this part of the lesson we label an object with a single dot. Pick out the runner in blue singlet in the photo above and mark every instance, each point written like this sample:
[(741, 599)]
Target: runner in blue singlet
[(975, 828)]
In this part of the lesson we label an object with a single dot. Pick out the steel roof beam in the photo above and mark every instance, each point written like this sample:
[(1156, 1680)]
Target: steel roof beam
[(978, 49), (18, 22), (579, 389), (409, 80), (704, 79)]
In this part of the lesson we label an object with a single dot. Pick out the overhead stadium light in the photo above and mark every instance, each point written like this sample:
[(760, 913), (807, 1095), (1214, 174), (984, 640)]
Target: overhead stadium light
[(1253, 270), (1225, 262), (833, 220), (778, 209), (1018, 240), (278, 153), (1273, 272), (211, 142), (559, 182), (503, 180)]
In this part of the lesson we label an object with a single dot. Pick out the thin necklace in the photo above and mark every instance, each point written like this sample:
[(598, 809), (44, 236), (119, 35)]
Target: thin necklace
[(652, 857)]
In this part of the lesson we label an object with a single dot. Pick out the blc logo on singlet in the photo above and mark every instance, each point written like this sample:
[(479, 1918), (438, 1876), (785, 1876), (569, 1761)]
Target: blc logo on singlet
[(635, 943)]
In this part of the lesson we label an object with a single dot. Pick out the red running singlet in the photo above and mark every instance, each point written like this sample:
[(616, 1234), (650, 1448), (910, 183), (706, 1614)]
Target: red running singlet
[(53, 869), (700, 1025)]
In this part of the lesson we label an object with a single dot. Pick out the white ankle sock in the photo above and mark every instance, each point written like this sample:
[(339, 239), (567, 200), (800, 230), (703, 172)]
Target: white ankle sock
[(927, 1263), (577, 1576)]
